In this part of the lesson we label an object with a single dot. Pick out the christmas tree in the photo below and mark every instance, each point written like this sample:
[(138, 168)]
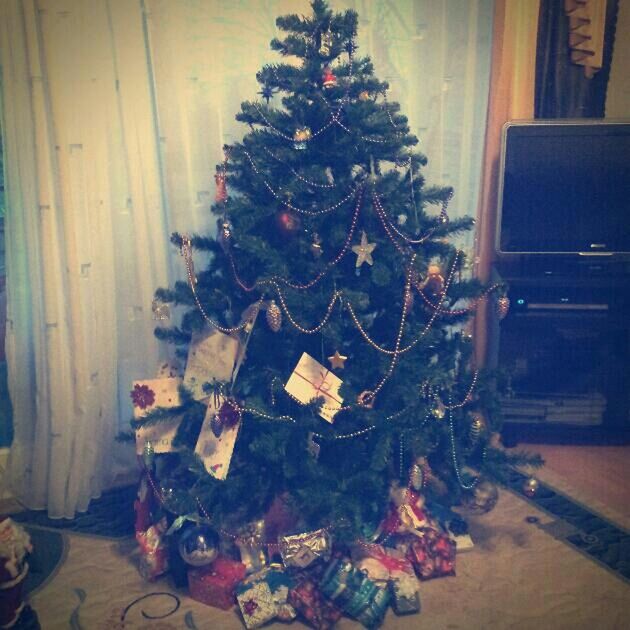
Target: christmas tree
[(334, 308)]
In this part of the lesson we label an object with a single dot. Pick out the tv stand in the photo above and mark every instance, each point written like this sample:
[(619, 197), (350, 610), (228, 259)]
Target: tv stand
[(565, 348)]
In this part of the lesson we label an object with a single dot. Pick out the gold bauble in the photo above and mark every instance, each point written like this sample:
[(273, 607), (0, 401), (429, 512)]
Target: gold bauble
[(364, 95), (477, 427), (530, 487), (274, 317)]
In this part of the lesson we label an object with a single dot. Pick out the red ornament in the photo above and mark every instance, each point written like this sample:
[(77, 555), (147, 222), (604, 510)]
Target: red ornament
[(287, 223), (329, 80), (221, 193), (142, 396)]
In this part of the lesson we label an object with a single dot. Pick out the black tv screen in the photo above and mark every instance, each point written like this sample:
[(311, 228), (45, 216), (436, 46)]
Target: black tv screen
[(564, 187)]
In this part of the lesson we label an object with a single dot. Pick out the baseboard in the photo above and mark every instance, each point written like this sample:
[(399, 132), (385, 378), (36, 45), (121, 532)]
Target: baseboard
[(4, 458)]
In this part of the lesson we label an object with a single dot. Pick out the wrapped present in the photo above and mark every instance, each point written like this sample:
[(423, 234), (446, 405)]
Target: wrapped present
[(211, 356), (406, 513), (250, 542), (405, 594), (432, 555), (151, 394), (301, 550), (354, 593), (153, 551), (217, 437), (380, 563), (256, 603), (280, 582), (215, 584), (311, 380), (311, 605)]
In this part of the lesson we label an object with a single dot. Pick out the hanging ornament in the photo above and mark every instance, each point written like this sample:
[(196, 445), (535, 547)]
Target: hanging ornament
[(226, 232), (337, 361), (477, 427), (312, 446), (481, 499), (364, 251), (274, 317), (443, 216), (366, 399), (221, 192), (148, 453), (316, 246), (503, 306), (438, 410), (176, 500), (216, 425), (434, 282), (530, 487), (301, 136), (467, 337), (325, 43), (161, 311), (419, 474), (364, 95), (199, 545), (329, 80), (267, 93), (288, 223), (402, 219)]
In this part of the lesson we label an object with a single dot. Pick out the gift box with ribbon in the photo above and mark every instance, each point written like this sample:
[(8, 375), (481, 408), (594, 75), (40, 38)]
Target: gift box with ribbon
[(354, 593), (433, 554), (300, 550), (380, 563), (311, 605), (311, 380), (215, 584), (405, 594), (256, 602)]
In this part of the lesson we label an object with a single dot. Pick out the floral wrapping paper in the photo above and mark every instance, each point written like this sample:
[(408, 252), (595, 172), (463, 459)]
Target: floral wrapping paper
[(214, 585), (432, 555), (309, 602), (256, 603)]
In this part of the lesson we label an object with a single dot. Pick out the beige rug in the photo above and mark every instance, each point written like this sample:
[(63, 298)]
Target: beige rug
[(517, 577)]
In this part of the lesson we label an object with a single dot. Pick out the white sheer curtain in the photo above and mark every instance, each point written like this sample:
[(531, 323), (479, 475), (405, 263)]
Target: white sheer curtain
[(114, 114)]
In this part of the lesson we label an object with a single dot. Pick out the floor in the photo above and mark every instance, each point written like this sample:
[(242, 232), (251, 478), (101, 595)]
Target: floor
[(601, 474)]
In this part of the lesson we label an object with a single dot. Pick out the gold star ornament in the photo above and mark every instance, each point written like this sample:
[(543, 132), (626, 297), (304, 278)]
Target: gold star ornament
[(364, 251), (337, 361)]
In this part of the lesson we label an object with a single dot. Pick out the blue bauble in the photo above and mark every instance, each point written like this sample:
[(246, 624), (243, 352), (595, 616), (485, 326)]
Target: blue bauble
[(199, 545)]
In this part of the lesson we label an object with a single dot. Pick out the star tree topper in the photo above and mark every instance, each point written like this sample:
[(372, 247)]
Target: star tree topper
[(364, 251)]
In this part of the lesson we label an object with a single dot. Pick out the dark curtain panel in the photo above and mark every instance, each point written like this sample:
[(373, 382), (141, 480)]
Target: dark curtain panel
[(562, 90)]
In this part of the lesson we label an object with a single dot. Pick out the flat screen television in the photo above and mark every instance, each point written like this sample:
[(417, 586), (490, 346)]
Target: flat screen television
[(564, 188)]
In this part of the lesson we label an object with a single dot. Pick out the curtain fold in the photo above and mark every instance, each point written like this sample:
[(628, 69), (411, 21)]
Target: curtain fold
[(511, 98), (115, 113)]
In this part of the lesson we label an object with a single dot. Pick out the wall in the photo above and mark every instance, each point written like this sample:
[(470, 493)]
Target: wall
[(618, 96)]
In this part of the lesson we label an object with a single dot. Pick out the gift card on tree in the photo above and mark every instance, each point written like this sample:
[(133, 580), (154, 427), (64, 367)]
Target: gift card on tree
[(147, 396), (211, 356), (311, 380), (217, 437)]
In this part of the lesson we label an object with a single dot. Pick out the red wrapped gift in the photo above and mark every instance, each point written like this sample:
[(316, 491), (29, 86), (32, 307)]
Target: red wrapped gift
[(214, 585), (318, 612), (432, 555)]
